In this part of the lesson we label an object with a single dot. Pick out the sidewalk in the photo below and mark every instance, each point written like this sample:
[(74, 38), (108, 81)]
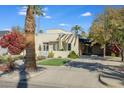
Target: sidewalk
[(60, 77)]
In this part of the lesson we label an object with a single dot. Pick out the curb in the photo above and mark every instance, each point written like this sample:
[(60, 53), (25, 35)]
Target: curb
[(105, 83)]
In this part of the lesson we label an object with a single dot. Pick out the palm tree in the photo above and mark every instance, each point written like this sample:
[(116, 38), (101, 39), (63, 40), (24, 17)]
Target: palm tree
[(76, 30), (40, 31), (30, 61), (39, 12)]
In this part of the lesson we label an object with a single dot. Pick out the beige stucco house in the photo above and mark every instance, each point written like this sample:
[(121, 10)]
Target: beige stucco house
[(58, 41)]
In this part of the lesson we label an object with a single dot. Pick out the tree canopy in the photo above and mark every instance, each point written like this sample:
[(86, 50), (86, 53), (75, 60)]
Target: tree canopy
[(108, 27), (14, 41)]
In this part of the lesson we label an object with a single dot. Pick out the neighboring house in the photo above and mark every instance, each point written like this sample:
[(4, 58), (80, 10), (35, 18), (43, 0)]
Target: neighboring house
[(58, 41), (3, 50)]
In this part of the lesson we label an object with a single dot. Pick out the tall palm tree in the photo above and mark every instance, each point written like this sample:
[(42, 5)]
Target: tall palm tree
[(30, 61), (76, 29), (39, 13)]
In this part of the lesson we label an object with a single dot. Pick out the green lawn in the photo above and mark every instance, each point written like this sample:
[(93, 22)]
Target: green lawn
[(53, 62)]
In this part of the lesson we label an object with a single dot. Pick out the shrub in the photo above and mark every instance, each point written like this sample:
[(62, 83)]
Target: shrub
[(59, 57), (113, 54), (18, 57), (72, 55), (51, 55), (41, 57), (62, 49), (3, 59), (4, 54)]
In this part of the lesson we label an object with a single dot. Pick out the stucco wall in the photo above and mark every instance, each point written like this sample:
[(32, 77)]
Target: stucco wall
[(46, 37), (3, 51), (57, 54)]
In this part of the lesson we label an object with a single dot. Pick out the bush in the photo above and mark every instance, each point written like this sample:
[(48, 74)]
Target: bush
[(113, 54), (4, 54), (51, 55), (59, 57), (18, 57), (3, 59), (41, 57), (73, 55), (62, 49)]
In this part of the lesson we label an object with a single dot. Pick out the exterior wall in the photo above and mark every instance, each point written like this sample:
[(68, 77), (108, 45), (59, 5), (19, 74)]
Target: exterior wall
[(3, 51), (56, 31), (41, 38), (52, 36), (57, 54)]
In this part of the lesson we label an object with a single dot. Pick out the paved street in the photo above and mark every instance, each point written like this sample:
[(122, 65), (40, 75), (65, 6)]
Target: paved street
[(82, 74)]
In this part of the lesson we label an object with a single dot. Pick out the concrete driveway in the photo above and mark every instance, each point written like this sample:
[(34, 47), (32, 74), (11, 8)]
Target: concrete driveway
[(82, 74)]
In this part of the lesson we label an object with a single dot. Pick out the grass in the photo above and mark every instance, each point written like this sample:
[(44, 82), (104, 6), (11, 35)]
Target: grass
[(53, 62)]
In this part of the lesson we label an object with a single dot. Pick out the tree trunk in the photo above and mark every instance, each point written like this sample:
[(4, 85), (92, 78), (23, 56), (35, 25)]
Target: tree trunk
[(104, 51), (38, 24), (122, 55), (30, 61)]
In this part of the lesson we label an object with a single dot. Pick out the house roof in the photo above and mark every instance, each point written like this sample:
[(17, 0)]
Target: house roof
[(3, 32), (53, 31)]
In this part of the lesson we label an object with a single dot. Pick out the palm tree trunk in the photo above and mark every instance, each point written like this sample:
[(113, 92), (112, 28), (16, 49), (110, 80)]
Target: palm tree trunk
[(30, 61), (39, 24)]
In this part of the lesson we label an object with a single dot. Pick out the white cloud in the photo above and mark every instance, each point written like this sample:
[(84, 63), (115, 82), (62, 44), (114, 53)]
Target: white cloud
[(86, 14), (63, 24), (8, 29), (48, 17), (23, 11), (45, 9)]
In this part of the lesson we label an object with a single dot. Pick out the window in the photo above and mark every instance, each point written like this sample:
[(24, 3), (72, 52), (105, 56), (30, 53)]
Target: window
[(69, 46), (45, 47), (55, 46)]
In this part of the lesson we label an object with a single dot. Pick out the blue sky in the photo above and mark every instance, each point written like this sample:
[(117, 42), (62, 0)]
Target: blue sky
[(63, 17)]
